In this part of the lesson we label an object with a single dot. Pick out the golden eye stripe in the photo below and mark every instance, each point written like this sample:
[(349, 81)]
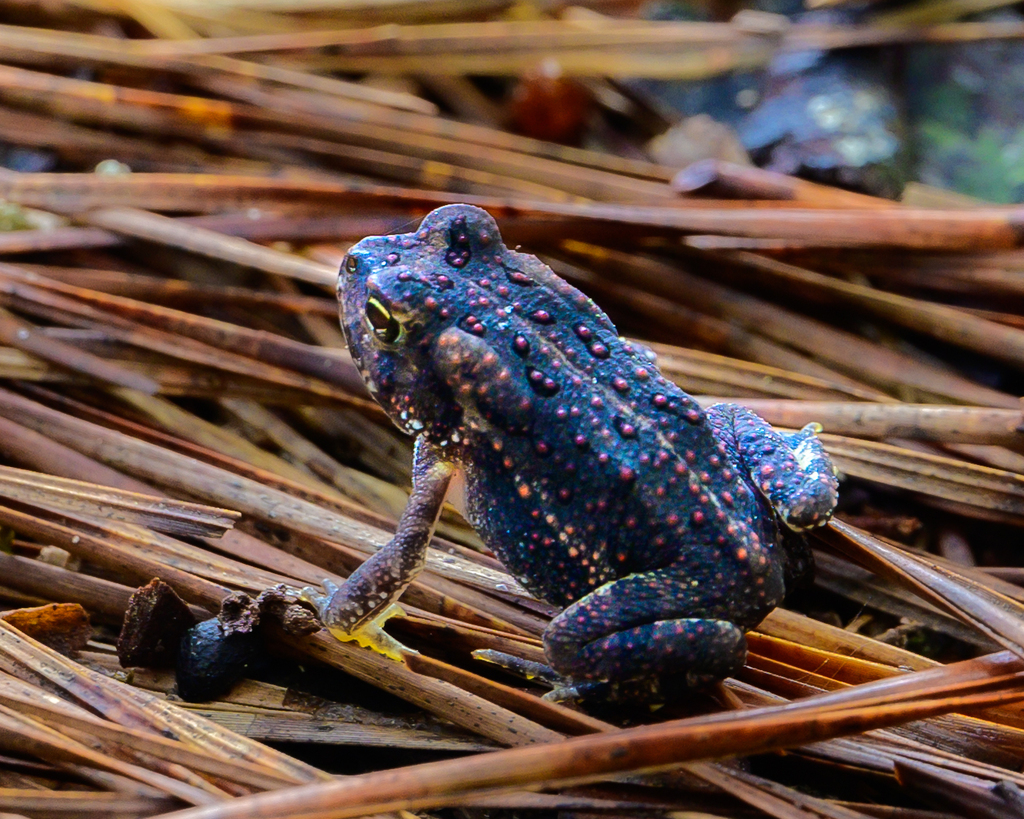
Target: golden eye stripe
[(384, 326)]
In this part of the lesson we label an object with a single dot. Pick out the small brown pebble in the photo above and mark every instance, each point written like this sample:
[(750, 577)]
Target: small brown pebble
[(956, 548), (56, 556), (64, 627), (153, 625), (546, 105)]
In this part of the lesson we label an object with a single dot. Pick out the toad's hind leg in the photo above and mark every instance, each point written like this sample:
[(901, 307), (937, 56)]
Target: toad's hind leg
[(792, 470), (672, 623)]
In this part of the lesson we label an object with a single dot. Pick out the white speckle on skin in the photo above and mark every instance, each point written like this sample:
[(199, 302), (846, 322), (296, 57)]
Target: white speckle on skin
[(804, 454)]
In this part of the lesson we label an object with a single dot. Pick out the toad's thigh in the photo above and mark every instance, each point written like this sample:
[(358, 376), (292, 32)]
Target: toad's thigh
[(659, 619)]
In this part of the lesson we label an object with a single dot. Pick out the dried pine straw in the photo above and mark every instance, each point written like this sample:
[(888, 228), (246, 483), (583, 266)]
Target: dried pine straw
[(176, 402)]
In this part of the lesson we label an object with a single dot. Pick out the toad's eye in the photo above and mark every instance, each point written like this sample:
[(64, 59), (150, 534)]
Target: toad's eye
[(379, 319), (351, 264)]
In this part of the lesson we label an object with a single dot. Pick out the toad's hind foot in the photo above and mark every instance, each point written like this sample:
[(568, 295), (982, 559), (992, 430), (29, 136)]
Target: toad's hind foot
[(370, 634)]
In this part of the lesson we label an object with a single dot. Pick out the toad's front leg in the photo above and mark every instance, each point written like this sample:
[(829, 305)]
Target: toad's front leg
[(356, 610)]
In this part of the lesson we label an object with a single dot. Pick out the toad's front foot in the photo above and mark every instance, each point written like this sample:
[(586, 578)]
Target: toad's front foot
[(370, 634)]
